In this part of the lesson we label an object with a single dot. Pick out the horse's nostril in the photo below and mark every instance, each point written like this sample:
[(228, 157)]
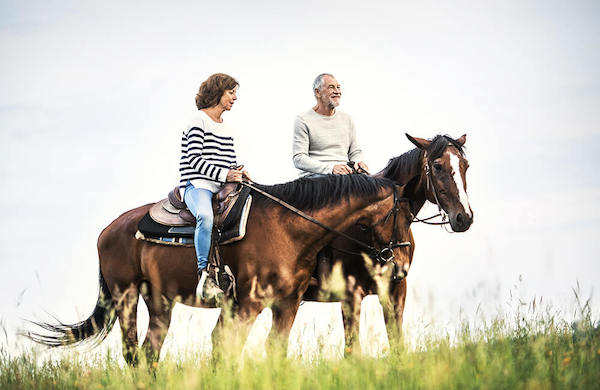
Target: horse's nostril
[(460, 219)]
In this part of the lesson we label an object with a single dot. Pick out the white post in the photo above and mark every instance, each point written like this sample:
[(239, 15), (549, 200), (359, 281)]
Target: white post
[(317, 332), (372, 334), (254, 348), (194, 327)]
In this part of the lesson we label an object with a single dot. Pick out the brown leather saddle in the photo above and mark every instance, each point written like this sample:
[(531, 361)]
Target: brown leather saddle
[(231, 206)]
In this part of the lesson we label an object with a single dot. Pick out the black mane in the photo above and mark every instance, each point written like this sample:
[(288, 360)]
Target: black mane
[(313, 193), (440, 143), (408, 164), (405, 165)]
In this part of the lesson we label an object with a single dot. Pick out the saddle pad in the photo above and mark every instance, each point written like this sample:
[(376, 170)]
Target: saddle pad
[(181, 241), (234, 226), (233, 229), (150, 228)]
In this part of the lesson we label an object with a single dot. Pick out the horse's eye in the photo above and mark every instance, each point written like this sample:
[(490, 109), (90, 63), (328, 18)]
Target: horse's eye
[(363, 227), (437, 166)]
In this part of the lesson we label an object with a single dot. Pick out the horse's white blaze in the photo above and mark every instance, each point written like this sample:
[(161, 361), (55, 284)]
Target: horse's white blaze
[(462, 195)]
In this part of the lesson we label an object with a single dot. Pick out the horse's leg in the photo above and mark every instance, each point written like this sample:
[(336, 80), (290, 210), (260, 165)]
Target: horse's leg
[(399, 299), (127, 313), (284, 314), (398, 293), (218, 331), (160, 309), (351, 309)]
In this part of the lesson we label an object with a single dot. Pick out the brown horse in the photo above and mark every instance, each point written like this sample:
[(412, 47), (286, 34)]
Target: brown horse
[(274, 262), (436, 171)]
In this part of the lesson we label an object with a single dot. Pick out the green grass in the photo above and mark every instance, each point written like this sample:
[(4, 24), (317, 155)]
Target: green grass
[(514, 353)]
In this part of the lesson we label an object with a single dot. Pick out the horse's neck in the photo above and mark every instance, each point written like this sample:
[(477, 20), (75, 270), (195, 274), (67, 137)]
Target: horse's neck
[(340, 218), (414, 181), (415, 192)]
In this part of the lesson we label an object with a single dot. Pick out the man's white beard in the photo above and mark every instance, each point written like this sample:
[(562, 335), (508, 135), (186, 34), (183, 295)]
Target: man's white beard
[(332, 104)]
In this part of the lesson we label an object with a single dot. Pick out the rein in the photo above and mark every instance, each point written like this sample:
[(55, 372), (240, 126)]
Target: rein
[(358, 171), (383, 255)]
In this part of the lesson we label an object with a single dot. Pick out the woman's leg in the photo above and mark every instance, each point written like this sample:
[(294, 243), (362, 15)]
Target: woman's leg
[(199, 201)]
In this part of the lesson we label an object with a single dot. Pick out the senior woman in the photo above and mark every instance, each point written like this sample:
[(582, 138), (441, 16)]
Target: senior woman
[(207, 161)]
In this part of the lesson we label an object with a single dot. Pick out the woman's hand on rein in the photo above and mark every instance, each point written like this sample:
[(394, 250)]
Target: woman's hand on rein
[(246, 176), (235, 176)]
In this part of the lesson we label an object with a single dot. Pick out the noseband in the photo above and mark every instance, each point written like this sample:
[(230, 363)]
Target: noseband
[(386, 254)]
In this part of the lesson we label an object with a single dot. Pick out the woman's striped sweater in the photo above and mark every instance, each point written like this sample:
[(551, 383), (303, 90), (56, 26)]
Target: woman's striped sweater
[(207, 153)]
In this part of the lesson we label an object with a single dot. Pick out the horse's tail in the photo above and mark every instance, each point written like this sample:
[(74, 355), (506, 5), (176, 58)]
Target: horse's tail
[(95, 328)]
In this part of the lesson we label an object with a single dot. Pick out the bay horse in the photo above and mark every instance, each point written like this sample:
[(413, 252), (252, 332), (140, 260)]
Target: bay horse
[(273, 263), (434, 171)]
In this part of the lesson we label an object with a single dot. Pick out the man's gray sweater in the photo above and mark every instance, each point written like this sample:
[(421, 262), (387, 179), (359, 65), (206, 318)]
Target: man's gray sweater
[(320, 142)]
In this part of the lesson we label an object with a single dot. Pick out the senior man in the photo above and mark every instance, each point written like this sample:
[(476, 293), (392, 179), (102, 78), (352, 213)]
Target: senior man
[(325, 138)]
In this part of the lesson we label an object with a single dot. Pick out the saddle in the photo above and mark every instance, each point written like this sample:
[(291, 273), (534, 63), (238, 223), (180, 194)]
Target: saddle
[(171, 222)]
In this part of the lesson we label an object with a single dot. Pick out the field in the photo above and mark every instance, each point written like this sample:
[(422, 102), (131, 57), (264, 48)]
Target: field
[(503, 353)]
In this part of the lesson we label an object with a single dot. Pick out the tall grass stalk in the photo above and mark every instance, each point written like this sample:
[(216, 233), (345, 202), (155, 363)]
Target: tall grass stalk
[(503, 353)]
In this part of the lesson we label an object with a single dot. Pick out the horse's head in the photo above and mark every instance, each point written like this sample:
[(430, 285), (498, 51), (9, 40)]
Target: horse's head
[(445, 168)]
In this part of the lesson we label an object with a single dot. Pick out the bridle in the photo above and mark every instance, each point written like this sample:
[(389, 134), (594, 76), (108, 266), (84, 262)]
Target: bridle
[(382, 255), (430, 185), (386, 253)]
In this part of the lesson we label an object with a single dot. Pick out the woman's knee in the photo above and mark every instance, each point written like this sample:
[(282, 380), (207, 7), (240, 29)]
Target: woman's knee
[(204, 220)]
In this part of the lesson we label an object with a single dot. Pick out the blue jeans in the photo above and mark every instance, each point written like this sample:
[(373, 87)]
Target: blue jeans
[(199, 201)]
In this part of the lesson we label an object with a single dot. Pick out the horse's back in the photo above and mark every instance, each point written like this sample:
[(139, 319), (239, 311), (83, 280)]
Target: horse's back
[(124, 226), (118, 249)]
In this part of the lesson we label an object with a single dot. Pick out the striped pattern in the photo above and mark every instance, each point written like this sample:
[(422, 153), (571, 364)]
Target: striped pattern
[(205, 155)]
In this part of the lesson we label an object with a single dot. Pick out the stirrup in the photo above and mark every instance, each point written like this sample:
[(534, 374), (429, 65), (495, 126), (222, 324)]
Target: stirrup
[(208, 290)]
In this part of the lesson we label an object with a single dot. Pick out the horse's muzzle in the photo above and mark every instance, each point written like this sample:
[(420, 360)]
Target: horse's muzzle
[(400, 273), (460, 222)]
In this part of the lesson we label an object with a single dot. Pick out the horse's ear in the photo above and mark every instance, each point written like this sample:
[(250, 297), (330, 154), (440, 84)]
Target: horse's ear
[(420, 143), (462, 140)]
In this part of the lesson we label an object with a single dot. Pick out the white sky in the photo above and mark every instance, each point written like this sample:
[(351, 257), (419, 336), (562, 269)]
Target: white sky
[(93, 97)]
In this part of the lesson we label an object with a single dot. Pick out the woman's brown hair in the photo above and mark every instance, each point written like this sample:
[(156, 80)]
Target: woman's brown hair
[(213, 88)]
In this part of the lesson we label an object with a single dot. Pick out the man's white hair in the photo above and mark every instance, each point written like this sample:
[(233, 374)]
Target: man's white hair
[(318, 83)]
